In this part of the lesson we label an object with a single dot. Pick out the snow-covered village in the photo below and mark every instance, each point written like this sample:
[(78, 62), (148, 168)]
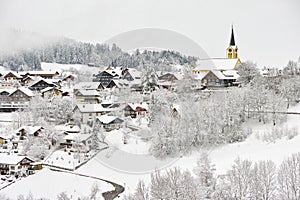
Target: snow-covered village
[(134, 113)]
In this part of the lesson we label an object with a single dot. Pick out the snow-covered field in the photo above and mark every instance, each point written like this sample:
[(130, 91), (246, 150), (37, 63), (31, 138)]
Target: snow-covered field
[(65, 67), (49, 184), (126, 164), (66, 160), (252, 148)]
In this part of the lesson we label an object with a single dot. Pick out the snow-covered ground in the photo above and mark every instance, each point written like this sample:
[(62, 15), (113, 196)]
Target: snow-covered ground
[(49, 184), (133, 144), (65, 67), (118, 165), (61, 158), (5, 116), (126, 164)]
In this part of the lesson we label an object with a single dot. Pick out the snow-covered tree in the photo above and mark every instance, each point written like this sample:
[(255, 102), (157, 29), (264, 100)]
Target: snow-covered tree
[(289, 178), (247, 71), (240, 179), (264, 183), (205, 172)]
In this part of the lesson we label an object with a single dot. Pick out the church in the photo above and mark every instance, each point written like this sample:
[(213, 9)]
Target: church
[(219, 72)]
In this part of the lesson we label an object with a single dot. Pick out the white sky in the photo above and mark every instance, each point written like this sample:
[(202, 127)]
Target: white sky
[(266, 31)]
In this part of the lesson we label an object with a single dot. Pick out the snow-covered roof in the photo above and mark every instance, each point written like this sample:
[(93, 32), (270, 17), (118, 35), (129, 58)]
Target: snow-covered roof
[(90, 108), (88, 92), (135, 82), (200, 75), (30, 129), (114, 71), (49, 81), (166, 83), (71, 128), (65, 75), (77, 136), (47, 89), (11, 159), (231, 73), (217, 63), (134, 73), (177, 75), (13, 73), (87, 85), (8, 90), (106, 119), (120, 83), (225, 74), (24, 90), (36, 73)]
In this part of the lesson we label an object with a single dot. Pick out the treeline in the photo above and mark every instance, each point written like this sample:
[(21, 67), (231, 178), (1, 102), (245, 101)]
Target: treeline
[(68, 51), (245, 180)]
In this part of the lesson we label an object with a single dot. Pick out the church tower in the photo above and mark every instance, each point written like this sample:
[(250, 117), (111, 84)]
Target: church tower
[(232, 50)]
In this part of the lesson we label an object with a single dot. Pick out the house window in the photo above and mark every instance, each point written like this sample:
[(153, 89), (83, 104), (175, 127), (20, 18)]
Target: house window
[(12, 167)]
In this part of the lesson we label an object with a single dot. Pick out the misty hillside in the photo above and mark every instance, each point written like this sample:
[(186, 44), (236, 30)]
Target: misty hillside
[(24, 51)]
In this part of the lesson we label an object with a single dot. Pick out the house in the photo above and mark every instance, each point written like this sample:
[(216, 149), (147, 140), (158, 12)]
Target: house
[(20, 96), (118, 83), (14, 165), (131, 74), (41, 84), (134, 109), (215, 78), (43, 74), (166, 84), (50, 92), (77, 142), (12, 76), (109, 123), (69, 77), (71, 128), (88, 86), (170, 76), (4, 95), (29, 131), (87, 96), (107, 75), (87, 112), (27, 80), (6, 84)]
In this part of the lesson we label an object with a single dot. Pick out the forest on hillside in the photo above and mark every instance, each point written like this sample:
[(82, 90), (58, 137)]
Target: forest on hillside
[(67, 51)]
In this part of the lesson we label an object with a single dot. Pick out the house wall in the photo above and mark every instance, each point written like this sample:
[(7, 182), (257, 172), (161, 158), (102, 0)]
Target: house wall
[(129, 112), (51, 93), (89, 117), (19, 97)]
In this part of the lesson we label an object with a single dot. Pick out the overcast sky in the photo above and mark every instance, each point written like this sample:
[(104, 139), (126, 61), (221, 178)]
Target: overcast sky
[(266, 31)]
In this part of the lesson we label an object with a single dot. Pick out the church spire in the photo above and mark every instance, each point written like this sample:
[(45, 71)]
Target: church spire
[(232, 50), (232, 41)]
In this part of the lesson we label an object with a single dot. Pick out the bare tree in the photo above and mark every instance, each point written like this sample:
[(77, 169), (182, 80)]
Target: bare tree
[(264, 180), (289, 178)]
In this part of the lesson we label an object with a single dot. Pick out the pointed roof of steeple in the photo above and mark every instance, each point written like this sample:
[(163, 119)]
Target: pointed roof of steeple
[(232, 41)]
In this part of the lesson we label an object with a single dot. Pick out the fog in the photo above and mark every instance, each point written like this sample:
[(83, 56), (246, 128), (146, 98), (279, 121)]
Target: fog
[(267, 32)]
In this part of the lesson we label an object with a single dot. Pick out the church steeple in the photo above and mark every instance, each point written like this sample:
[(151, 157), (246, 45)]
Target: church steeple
[(232, 41), (232, 50)]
